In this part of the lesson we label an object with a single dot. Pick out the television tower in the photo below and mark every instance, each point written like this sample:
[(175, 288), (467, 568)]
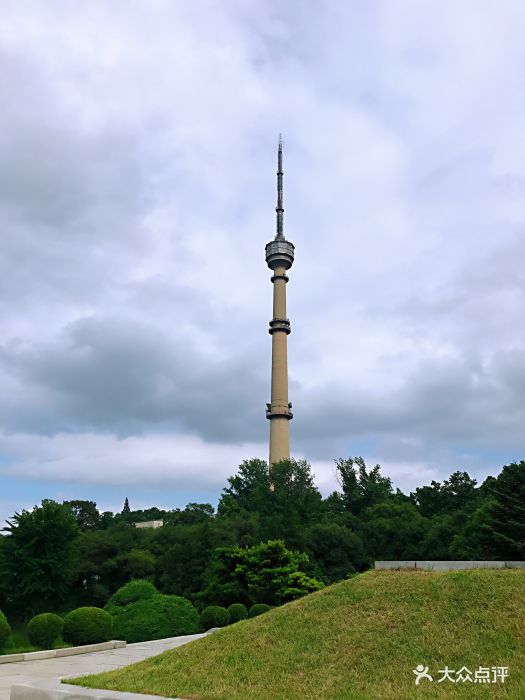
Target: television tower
[(279, 258)]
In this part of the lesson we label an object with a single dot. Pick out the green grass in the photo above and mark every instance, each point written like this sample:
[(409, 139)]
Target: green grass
[(357, 639)]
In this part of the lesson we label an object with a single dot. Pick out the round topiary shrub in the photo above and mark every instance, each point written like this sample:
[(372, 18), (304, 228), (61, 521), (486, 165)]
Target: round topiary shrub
[(5, 630), (238, 611), (157, 617), (214, 616), (258, 609), (130, 593), (43, 630), (87, 626)]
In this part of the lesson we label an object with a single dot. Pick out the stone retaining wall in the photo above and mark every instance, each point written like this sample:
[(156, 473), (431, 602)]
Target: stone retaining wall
[(448, 565)]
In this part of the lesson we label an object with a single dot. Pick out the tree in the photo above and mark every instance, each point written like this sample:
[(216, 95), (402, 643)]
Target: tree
[(460, 491), (140, 516), (38, 558), (361, 488), (457, 493), (266, 573), (393, 531), (183, 554), (248, 490), (106, 519), (287, 500), (440, 535), (474, 539), (85, 512), (103, 559), (337, 550), (192, 514), (502, 527), (125, 514), (140, 564), (429, 499)]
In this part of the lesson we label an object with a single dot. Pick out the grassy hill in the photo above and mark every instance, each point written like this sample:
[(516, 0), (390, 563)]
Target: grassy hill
[(361, 638)]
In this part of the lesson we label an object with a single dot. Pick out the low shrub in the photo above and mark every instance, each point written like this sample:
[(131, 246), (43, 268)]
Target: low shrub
[(214, 616), (238, 611), (131, 592), (155, 618), (87, 626), (43, 630), (5, 630), (258, 609)]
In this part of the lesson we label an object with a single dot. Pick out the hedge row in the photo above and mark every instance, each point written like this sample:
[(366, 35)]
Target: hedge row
[(141, 613), (81, 626), (217, 616), (137, 612)]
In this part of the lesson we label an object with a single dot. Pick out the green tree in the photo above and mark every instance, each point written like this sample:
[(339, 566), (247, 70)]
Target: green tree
[(267, 573), (106, 519), (140, 564), (456, 493), (474, 539), (287, 501), (192, 514), (183, 554), (126, 514), (295, 501), (440, 534), (361, 487), (103, 558), (38, 558), (85, 512), (337, 550), (248, 490), (393, 531), (500, 519)]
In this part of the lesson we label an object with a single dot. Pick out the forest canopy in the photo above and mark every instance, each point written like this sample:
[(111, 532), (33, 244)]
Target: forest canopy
[(59, 556)]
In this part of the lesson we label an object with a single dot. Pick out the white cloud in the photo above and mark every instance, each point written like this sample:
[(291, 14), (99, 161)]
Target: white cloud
[(184, 461), (138, 195)]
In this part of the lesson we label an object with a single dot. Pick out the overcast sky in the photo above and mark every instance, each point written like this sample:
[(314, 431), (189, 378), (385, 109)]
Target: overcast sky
[(137, 193)]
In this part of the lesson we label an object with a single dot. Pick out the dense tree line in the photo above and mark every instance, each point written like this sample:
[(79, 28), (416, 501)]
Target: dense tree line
[(271, 539)]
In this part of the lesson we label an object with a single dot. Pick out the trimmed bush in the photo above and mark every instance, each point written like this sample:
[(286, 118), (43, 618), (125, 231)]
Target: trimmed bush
[(155, 618), (43, 630), (131, 592), (214, 616), (5, 630), (87, 626), (238, 611), (258, 609)]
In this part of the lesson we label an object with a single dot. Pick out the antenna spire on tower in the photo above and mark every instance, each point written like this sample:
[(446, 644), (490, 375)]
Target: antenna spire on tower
[(279, 208)]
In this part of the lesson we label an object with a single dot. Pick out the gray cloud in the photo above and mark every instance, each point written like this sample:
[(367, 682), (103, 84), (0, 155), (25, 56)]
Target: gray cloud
[(126, 377), (137, 195)]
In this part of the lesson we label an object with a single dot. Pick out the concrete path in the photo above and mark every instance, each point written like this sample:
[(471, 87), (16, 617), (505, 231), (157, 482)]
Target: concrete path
[(83, 664)]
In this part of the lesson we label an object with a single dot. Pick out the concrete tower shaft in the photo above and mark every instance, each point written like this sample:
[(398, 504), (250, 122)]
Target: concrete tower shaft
[(279, 258)]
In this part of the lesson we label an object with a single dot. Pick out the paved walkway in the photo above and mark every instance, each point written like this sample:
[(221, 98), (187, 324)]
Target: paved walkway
[(82, 664)]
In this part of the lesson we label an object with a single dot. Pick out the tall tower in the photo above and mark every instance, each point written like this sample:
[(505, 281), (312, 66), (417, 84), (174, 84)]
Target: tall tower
[(279, 258)]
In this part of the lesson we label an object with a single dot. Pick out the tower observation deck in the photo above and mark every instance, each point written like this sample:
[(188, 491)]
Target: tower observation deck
[(279, 258)]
